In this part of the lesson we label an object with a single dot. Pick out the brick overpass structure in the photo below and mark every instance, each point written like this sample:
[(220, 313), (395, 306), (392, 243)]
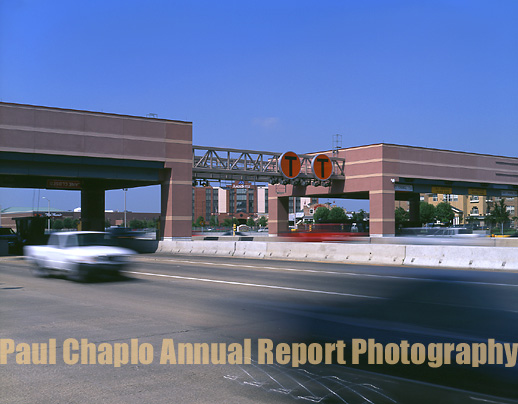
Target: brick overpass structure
[(384, 173), (92, 152)]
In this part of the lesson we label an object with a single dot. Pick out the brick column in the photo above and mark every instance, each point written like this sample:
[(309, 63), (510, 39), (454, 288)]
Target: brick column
[(176, 208), (382, 207), (92, 208), (414, 203), (278, 214)]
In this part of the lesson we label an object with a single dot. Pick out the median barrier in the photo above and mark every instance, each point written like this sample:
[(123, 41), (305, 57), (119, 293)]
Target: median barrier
[(223, 248), (424, 255), (175, 246), (204, 247), (278, 250), (250, 249), (497, 258), (442, 256), (387, 254)]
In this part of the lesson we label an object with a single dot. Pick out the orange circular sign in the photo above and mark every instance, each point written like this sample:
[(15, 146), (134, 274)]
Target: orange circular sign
[(289, 164), (322, 166)]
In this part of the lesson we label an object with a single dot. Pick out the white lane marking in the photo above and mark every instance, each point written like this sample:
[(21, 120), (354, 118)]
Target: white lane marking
[(348, 273), (189, 278)]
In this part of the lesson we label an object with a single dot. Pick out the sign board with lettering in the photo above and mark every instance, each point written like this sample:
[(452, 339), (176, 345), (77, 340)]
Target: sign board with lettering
[(477, 191), (64, 184), (322, 166), (241, 185), (509, 194), (403, 187), (289, 164), (441, 190)]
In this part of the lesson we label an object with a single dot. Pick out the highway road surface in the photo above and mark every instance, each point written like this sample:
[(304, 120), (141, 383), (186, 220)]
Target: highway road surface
[(270, 332)]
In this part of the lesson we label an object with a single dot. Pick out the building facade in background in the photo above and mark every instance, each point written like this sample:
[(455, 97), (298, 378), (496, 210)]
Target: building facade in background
[(470, 209), (112, 218), (241, 200)]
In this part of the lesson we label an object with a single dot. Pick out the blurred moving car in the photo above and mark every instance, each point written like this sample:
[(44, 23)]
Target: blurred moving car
[(123, 232), (237, 233), (78, 255)]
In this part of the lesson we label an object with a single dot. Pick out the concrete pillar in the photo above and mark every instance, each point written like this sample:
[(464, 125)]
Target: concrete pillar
[(382, 212), (176, 203), (92, 209), (414, 210), (278, 215)]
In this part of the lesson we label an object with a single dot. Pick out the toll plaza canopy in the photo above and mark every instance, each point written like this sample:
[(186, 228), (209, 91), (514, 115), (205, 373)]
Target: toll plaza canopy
[(384, 173), (91, 152)]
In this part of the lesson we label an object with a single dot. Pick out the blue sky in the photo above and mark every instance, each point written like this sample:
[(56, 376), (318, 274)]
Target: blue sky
[(272, 75)]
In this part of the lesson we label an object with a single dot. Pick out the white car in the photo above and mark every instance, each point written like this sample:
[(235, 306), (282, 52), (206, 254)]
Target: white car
[(77, 255)]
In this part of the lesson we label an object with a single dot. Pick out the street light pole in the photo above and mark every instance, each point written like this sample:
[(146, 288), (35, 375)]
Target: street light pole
[(48, 211), (125, 190)]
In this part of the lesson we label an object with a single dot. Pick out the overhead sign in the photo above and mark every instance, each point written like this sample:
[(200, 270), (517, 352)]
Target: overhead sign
[(441, 190), (64, 184), (404, 187), (289, 165), (509, 194), (477, 191), (241, 184), (322, 166)]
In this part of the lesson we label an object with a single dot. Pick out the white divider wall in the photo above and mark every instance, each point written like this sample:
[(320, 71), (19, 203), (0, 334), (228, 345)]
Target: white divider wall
[(497, 258)]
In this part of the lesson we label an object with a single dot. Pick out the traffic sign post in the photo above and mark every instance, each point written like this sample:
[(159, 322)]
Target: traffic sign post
[(290, 165), (322, 167)]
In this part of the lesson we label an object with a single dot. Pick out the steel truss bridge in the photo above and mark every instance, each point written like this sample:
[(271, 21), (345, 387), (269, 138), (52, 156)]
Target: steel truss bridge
[(219, 164)]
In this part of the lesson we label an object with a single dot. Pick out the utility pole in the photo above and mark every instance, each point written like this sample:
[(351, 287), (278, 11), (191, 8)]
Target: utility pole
[(48, 211), (125, 190)]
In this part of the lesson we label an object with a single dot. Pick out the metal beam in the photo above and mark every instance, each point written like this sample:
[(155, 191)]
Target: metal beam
[(220, 163)]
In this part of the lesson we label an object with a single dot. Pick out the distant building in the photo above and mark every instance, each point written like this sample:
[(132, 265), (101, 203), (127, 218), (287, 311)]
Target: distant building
[(114, 218), (240, 200), (471, 209)]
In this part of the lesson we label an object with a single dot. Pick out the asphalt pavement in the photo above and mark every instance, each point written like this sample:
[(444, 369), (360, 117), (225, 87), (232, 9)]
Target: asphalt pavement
[(207, 300)]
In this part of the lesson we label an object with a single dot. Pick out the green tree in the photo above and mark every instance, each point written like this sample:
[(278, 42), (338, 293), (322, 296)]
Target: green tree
[(106, 223), (499, 214), (321, 215), (250, 222), (444, 213), (359, 216), (57, 224), (263, 221), (136, 224), (337, 215), (426, 213), (68, 223), (213, 221), (229, 222), (200, 222), (151, 224), (401, 216)]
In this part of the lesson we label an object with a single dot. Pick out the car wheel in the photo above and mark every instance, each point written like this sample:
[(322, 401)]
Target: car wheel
[(39, 270), (77, 274)]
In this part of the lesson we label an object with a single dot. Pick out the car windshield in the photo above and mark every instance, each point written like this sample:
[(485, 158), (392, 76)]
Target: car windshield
[(89, 239)]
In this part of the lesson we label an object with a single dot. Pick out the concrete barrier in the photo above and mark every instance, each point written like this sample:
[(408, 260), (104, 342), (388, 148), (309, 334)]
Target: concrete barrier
[(497, 258), (278, 250), (224, 248), (250, 249), (442, 256), (175, 246)]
